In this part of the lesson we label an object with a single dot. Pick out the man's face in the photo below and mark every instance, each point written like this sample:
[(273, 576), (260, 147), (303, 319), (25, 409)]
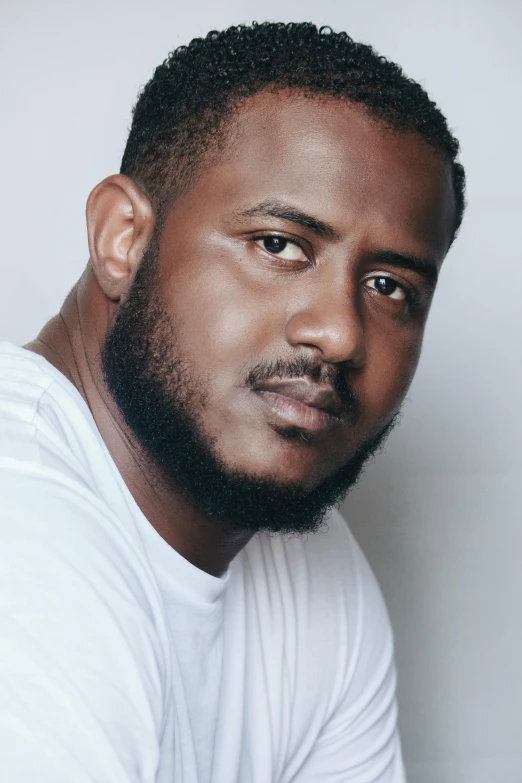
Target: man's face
[(290, 291)]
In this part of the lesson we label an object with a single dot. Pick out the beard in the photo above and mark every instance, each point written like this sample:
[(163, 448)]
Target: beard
[(161, 401)]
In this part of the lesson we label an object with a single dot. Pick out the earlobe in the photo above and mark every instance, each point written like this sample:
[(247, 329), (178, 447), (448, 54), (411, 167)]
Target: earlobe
[(120, 223)]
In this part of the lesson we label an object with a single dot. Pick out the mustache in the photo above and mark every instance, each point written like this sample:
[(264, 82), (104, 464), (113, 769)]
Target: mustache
[(322, 374)]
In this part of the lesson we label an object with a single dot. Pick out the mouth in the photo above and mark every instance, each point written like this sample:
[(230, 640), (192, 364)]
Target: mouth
[(301, 404)]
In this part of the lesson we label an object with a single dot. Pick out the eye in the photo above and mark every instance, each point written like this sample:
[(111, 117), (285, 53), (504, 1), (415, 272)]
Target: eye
[(387, 287), (282, 248)]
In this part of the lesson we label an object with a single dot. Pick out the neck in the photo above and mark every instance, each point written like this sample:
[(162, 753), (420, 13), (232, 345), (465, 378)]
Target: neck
[(72, 342)]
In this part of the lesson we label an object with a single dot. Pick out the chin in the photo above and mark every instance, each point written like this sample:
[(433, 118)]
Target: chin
[(291, 467)]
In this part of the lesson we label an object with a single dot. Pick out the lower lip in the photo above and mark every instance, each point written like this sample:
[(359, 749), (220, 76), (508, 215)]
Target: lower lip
[(293, 413)]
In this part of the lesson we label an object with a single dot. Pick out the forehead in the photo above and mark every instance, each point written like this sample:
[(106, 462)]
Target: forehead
[(329, 159)]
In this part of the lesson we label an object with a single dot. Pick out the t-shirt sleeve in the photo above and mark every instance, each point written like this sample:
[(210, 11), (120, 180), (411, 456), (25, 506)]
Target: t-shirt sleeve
[(82, 663), (359, 742)]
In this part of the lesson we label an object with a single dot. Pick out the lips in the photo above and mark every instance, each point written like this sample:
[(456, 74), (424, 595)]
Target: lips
[(300, 403)]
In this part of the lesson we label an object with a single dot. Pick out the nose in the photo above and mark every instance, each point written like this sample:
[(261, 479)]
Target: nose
[(331, 324)]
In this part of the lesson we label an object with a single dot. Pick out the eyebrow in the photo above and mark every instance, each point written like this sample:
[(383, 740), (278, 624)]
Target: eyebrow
[(423, 266), (279, 209)]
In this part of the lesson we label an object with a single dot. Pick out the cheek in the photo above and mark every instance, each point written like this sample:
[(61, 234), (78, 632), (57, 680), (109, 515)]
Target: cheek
[(392, 358), (222, 324)]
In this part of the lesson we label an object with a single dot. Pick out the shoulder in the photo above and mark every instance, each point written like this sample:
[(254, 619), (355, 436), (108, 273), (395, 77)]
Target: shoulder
[(83, 635), (67, 548), (328, 595), (25, 377), (43, 419), (325, 624), (335, 618), (325, 570), (85, 671)]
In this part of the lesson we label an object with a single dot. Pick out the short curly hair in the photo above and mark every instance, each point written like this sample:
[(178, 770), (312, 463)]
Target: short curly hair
[(185, 109)]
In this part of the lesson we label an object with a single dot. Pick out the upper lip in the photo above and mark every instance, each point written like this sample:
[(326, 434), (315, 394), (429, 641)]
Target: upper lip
[(302, 390)]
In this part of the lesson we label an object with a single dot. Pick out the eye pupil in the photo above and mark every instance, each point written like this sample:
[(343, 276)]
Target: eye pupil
[(275, 244), (385, 285)]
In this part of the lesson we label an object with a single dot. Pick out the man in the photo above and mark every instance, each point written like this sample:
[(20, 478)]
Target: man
[(240, 343)]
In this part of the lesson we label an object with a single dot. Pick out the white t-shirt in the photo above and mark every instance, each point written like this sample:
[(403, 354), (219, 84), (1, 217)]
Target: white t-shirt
[(120, 661)]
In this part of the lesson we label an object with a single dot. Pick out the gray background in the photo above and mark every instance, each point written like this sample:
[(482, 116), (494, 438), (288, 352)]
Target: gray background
[(440, 513)]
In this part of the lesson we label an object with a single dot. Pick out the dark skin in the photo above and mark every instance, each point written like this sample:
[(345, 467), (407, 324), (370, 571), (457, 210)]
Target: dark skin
[(357, 205)]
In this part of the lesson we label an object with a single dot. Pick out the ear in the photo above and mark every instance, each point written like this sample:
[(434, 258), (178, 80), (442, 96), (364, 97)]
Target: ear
[(120, 223)]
